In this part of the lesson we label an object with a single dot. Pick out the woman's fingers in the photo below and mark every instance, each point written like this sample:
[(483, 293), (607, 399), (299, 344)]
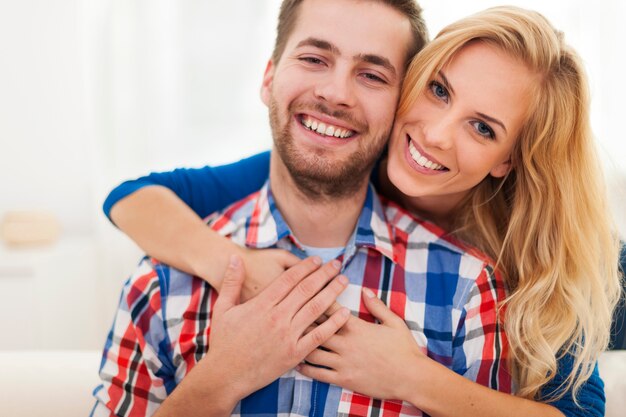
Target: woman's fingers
[(286, 258), (379, 310)]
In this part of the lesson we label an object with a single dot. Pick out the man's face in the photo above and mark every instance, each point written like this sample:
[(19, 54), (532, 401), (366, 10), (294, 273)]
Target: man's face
[(333, 94)]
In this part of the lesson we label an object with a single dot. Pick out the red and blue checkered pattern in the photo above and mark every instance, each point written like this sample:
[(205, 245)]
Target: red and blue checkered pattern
[(446, 293)]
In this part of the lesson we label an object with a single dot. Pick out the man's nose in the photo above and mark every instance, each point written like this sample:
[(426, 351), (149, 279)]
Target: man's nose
[(337, 88)]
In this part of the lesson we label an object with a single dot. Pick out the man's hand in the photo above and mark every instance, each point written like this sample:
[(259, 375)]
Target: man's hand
[(253, 343), (263, 266)]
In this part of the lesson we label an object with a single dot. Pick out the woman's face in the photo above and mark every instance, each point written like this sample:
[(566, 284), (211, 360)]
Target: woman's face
[(463, 127)]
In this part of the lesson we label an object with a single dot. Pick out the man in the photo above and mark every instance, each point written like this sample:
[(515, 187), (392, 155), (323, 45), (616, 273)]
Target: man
[(331, 87)]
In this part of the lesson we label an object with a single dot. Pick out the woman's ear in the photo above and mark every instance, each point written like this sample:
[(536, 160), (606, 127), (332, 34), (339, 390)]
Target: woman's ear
[(266, 86), (501, 170)]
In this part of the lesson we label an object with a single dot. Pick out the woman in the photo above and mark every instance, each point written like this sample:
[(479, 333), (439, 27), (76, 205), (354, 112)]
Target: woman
[(517, 179)]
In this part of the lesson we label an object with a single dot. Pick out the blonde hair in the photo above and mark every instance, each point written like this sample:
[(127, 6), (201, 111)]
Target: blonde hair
[(547, 223)]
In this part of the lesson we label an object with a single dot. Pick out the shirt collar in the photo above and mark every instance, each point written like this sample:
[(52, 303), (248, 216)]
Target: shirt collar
[(266, 226)]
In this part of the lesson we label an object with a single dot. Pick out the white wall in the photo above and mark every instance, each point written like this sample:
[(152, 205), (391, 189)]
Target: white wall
[(96, 91), (45, 156)]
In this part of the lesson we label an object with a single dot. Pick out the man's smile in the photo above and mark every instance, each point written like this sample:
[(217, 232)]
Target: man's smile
[(322, 128)]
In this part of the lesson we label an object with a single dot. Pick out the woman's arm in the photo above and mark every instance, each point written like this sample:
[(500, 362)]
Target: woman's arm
[(175, 233), (446, 393), (205, 190), (591, 398), (383, 361)]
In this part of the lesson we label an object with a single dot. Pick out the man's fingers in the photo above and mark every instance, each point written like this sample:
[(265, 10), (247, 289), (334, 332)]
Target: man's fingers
[(281, 286), (335, 342), (310, 310), (323, 332), (329, 376), (231, 286), (336, 306), (323, 357), (308, 288)]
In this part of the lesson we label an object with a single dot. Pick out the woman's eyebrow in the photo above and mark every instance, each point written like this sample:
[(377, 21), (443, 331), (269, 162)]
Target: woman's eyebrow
[(492, 120), (447, 84)]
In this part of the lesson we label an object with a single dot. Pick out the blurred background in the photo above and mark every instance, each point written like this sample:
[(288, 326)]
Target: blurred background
[(93, 92)]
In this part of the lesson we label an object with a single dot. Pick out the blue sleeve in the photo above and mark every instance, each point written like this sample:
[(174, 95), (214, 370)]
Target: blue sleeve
[(590, 396), (618, 326), (207, 189)]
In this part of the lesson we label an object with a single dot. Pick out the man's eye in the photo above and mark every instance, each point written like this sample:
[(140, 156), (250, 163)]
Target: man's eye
[(373, 77), (311, 60)]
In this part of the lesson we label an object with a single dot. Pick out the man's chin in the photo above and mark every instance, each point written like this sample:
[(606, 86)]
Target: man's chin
[(328, 180)]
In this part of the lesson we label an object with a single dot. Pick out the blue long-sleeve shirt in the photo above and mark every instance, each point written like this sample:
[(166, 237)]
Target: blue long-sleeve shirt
[(209, 189)]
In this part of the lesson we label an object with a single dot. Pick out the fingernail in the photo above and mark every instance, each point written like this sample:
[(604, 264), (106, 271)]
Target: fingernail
[(344, 312), (317, 260), (368, 293), (234, 261), (336, 264), (343, 279)]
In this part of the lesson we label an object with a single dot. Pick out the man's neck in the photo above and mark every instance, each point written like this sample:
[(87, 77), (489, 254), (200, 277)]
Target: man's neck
[(319, 222)]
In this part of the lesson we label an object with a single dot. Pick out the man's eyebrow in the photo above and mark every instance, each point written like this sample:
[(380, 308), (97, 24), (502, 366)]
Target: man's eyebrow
[(319, 43), (378, 60), (370, 58)]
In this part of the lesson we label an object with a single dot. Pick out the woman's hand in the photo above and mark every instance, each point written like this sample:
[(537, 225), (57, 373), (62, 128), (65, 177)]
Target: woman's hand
[(377, 360), (262, 267)]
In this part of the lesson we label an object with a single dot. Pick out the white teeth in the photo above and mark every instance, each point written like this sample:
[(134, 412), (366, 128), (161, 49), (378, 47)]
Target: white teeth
[(324, 129), (422, 160)]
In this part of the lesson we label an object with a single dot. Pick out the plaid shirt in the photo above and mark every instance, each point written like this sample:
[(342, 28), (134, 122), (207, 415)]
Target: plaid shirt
[(446, 294)]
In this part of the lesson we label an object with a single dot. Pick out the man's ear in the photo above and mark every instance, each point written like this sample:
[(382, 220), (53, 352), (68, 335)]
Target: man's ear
[(266, 86), (501, 170)]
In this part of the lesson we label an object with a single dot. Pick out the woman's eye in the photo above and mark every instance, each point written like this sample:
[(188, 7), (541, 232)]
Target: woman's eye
[(439, 90), (483, 129)]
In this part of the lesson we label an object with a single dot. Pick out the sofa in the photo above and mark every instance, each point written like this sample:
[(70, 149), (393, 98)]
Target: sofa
[(59, 383)]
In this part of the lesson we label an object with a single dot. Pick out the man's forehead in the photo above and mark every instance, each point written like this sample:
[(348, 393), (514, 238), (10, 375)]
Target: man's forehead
[(353, 27)]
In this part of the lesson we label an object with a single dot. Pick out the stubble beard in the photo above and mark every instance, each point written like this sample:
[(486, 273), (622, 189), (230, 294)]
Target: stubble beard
[(315, 174)]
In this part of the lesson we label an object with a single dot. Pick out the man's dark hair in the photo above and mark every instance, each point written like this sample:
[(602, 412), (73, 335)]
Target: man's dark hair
[(409, 8)]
